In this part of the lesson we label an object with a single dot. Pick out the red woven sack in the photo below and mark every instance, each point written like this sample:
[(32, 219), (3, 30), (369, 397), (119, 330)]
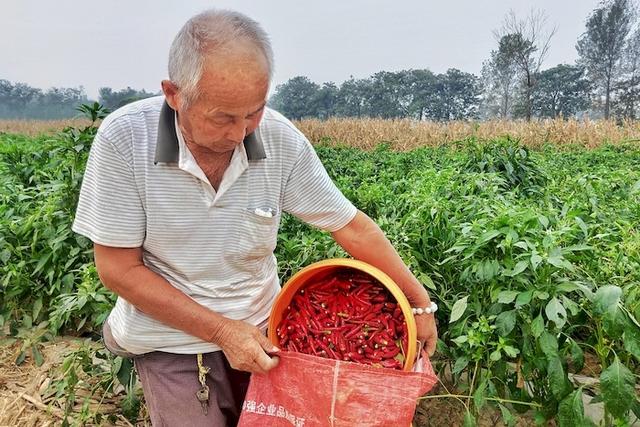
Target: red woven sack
[(310, 391)]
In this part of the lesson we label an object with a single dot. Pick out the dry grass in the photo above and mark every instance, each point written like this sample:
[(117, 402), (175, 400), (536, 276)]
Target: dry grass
[(409, 134), (39, 127), (26, 398)]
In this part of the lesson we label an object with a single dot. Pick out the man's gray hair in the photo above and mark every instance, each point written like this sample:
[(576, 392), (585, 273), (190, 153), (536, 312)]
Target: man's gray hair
[(210, 31)]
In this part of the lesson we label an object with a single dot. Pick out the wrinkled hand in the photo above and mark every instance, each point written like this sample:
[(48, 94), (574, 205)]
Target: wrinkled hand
[(427, 332), (246, 347)]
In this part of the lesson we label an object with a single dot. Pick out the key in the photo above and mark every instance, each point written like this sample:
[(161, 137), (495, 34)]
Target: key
[(203, 397)]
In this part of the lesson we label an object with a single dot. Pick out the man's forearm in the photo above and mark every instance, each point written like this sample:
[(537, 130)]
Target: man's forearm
[(128, 277), (364, 240)]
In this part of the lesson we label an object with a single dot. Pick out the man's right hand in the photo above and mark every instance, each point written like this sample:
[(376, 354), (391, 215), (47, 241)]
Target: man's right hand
[(245, 347)]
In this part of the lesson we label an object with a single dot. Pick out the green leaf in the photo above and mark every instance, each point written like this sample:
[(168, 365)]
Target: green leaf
[(558, 381), (567, 287), (555, 312), (635, 188), (426, 281), (571, 306), (548, 344), (495, 356), (544, 221), (511, 351), (460, 365), (617, 384), (41, 263), (505, 322), (131, 406), (571, 410), (37, 356), (537, 326), (37, 306), (535, 260), (524, 298), (631, 339), (458, 309), (614, 321), (539, 418), (5, 255), (461, 339), (487, 236), (541, 295), (21, 358), (577, 356), (479, 395), (522, 245), (605, 298), (636, 408), (582, 225), (519, 268), (507, 416), (507, 297), (469, 420), (125, 372)]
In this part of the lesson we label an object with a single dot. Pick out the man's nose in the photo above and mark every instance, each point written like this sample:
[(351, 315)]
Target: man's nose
[(237, 132)]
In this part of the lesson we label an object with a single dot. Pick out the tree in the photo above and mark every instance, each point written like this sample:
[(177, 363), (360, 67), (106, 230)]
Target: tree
[(112, 100), (326, 100), (561, 91), (389, 95), (352, 98), (525, 43), (296, 98), (602, 44), (500, 75), (422, 85), (628, 89), (456, 96), (59, 102)]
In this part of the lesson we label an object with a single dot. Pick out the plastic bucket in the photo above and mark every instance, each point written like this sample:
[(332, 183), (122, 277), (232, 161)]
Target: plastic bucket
[(329, 267)]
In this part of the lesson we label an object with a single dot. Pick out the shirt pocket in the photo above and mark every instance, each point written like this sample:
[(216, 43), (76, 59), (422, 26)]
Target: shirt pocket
[(256, 241)]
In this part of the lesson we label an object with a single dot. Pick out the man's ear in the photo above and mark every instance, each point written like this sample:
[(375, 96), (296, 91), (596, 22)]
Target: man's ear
[(170, 91)]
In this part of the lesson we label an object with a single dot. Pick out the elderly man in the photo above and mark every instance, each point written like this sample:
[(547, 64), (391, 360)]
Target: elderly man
[(182, 197)]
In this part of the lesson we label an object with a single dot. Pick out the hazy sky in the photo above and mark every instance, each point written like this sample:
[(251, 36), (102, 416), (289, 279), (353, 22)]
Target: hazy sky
[(121, 43)]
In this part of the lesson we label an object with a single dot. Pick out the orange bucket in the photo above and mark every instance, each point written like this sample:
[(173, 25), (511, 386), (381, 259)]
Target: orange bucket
[(322, 269)]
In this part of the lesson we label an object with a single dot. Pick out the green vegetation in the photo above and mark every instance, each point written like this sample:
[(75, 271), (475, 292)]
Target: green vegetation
[(532, 255)]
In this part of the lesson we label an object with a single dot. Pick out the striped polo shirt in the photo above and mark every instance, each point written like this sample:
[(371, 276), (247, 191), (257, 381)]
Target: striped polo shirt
[(143, 188)]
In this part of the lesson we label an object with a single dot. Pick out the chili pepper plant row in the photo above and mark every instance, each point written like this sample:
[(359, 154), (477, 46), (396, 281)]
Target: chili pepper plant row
[(532, 255)]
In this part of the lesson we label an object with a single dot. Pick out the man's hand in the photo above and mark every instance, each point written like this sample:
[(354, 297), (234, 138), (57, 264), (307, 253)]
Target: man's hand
[(427, 332), (246, 347)]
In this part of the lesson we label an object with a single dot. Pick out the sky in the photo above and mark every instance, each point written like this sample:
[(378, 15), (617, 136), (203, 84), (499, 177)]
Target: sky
[(120, 43)]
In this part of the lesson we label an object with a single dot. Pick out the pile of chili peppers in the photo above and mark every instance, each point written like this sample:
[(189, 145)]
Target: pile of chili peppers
[(349, 316)]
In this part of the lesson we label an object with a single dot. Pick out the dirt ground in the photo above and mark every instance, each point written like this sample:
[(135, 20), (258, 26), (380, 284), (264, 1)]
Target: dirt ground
[(26, 399)]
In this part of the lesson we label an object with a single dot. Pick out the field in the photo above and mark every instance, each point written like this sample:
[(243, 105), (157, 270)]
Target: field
[(526, 234)]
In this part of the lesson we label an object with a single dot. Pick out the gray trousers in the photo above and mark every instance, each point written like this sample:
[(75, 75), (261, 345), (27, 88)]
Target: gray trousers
[(170, 382)]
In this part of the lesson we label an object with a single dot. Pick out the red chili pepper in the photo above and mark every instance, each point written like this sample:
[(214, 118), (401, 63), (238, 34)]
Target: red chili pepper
[(348, 316)]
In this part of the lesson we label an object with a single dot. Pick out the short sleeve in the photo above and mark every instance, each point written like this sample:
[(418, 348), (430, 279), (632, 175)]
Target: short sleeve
[(109, 210), (311, 195)]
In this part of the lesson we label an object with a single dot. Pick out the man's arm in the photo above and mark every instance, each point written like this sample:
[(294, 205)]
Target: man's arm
[(364, 240), (122, 271)]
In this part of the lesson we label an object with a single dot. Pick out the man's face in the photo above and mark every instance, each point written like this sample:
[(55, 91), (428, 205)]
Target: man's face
[(232, 97)]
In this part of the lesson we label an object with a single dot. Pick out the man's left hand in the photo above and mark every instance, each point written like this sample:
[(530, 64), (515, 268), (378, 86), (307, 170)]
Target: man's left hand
[(427, 332)]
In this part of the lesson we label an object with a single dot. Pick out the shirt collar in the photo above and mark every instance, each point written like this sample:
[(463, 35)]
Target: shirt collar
[(167, 148)]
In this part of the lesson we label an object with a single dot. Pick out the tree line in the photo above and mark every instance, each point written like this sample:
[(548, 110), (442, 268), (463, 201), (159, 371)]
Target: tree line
[(603, 82), (21, 101)]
